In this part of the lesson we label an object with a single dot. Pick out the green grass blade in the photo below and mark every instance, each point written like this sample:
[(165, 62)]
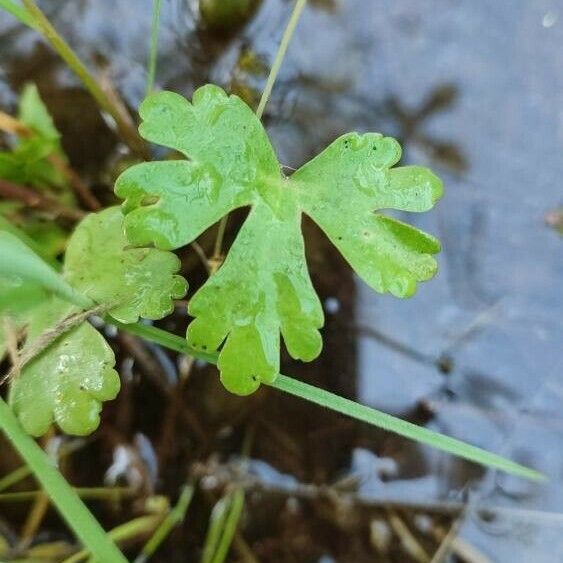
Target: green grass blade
[(19, 12), (174, 518), (5, 225), (153, 52), (401, 427), (19, 260), (230, 526), (72, 509), (350, 408), (222, 527), (280, 55)]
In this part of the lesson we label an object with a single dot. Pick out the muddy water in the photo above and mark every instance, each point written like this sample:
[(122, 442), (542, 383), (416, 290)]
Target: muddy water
[(473, 89)]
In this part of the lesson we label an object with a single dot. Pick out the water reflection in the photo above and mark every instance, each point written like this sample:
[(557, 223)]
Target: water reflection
[(472, 89)]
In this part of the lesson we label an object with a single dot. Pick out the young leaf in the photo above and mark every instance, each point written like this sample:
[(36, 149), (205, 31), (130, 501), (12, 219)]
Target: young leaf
[(100, 264), (34, 113), (68, 381), (28, 163), (264, 287)]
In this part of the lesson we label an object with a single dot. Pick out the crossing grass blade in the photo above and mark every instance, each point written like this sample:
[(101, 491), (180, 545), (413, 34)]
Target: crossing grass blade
[(350, 408)]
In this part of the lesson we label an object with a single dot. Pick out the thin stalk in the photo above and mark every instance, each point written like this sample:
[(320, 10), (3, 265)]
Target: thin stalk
[(153, 52), (91, 493), (402, 427), (18, 12), (44, 26), (14, 477), (24, 471), (229, 527), (140, 526), (274, 71), (71, 508), (174, 518), (286, 38), (349, 408), (36, 200)]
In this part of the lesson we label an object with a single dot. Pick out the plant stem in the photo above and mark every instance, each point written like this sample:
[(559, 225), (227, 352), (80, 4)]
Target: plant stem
[(174, 518), (140, 526), (347, 407), (71, 508), (292, 24), (282, 49), (153, 52), (36, 200), (43, 25), (18, 12)]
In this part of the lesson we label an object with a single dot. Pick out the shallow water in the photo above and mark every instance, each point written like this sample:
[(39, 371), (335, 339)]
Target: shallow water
[(473, 89)]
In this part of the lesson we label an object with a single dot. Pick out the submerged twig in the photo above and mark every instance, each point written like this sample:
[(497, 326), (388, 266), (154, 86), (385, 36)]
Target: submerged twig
[(35, 200)]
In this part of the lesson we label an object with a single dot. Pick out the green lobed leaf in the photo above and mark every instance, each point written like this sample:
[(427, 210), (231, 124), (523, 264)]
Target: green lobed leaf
[(263, 288), (68, 381), (138, 282)]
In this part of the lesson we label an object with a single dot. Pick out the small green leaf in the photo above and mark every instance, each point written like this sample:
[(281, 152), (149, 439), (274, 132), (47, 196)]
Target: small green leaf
[(68, 381), (136, 282), (34, 113), (263, 288), (28, 162)]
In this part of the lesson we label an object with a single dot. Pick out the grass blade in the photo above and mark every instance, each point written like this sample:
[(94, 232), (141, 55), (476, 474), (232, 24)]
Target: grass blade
[(153, 52), (223, 525), (401, 427), (19, 12), (350, 408), (71, 508), (174, 518), (19, 260)]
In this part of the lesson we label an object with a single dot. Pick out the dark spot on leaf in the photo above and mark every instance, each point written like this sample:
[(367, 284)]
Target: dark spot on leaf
[(149, 200)]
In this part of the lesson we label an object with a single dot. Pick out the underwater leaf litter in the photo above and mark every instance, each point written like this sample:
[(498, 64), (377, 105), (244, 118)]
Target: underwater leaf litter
[(263, 289)]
